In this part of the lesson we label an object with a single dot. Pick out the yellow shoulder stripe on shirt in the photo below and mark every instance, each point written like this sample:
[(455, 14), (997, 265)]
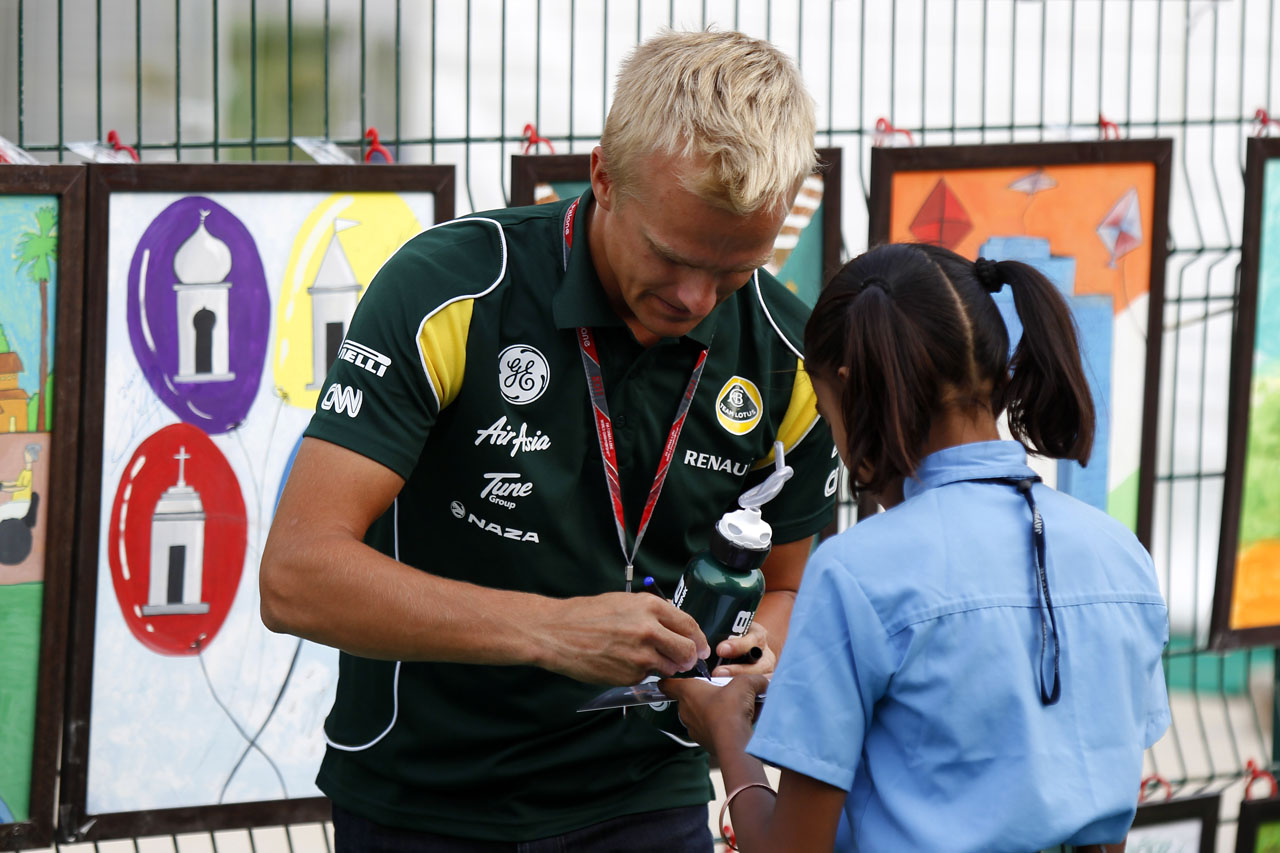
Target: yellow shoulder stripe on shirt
[(442, 345), (801, 416)]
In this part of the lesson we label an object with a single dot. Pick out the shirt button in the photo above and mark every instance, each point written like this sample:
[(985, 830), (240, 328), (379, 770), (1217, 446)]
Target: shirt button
[(620, 420)]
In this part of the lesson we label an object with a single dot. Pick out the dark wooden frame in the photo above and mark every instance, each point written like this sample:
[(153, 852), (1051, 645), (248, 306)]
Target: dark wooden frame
[(886, 162), (529, 170), (1254, 813), (1202, 807), (1221, 635), (75, 823), (68, 184)]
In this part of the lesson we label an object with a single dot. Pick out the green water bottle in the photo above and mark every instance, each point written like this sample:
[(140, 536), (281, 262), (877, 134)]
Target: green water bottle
[(722, 586)]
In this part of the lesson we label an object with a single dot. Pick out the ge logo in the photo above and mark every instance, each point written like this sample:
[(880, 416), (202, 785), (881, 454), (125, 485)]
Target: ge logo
[(522, 374), (742, 622), (736, 397), (457, 509)]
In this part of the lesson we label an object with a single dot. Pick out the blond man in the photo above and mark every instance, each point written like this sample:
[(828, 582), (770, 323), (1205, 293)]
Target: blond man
[(484, 580)]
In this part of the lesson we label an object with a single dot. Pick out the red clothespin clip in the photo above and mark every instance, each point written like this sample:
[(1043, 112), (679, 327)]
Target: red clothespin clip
[(1108, 129), (1264, 121), (114, 139), (1255, 773), (532, 140), (885, 132), (1153, 783), (376, 147)]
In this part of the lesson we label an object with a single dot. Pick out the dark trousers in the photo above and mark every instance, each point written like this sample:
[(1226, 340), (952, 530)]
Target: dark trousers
[(682, 830)]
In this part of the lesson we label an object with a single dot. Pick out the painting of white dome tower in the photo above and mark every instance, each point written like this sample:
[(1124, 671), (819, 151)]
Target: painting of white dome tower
[(198, 312), (201, 266)]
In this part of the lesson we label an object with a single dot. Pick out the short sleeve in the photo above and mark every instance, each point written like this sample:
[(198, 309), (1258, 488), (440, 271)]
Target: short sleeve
[(1158, 717), (835, 667)]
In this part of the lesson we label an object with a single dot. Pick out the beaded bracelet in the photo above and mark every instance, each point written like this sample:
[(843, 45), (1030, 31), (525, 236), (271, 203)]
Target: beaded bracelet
[(724, 809)]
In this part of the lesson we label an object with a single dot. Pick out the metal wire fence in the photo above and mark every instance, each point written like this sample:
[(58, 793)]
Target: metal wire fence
[(457, 82)]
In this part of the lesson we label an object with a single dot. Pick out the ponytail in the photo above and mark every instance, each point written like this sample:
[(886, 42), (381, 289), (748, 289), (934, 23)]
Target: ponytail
[(1047, 397), (890, 394), (894, 407), (911, 322)]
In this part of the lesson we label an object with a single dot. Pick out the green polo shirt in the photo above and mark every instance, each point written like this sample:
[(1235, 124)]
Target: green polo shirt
[(461, 372)]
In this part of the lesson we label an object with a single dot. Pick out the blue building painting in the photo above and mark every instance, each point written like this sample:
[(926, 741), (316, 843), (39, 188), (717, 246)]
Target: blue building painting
[(1095, 316)]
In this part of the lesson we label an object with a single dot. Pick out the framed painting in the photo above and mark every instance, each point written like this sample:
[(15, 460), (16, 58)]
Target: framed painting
[(805, 254), (1258, 829), (1184, 825), (1091, 216), (218, 299), (42, 212), (1246, 601)]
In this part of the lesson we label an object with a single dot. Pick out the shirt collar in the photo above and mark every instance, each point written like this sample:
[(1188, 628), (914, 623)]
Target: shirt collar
[(580, 299), (980, 460)]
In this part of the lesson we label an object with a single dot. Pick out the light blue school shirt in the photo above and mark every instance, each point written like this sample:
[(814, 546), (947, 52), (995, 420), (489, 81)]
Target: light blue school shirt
[(910, 675)]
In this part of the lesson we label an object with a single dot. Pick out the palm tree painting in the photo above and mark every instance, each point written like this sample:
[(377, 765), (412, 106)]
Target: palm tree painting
[(37, 253)]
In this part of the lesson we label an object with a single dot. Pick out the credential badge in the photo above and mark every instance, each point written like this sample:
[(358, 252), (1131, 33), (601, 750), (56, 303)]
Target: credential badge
[(738, 406), (523, 374)]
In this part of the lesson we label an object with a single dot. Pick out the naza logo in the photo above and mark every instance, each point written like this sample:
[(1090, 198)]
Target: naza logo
[(340, 398)]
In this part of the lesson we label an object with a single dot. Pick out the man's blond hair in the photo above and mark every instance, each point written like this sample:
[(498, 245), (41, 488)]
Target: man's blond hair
[(733, 105)]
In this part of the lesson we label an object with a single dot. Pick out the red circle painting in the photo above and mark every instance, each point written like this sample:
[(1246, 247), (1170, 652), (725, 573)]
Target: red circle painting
[(177, 541)]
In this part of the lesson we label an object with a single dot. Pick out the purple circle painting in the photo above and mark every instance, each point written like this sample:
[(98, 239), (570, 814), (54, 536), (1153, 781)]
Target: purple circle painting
[(198, 313)]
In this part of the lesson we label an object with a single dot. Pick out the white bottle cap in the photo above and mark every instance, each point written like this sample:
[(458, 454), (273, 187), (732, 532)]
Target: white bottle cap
[(745, 528)]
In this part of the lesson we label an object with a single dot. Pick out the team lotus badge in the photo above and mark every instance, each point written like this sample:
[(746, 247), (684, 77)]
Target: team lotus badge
[(523, 374), (738, 406)]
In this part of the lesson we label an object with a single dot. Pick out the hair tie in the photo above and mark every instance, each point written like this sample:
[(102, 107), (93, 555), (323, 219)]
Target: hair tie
[(875, 281), (985, 271)]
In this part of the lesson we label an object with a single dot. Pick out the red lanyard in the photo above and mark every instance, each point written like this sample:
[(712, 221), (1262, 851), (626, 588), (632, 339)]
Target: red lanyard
[(609, 453), (604, 426)]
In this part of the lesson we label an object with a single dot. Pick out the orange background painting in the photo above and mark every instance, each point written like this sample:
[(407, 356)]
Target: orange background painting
[(1068, 215)]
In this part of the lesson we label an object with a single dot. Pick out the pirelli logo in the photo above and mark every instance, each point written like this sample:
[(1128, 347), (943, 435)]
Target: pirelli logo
[(361, 356)]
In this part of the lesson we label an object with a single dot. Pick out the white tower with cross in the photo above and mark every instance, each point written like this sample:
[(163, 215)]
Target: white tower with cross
[(177, 549)]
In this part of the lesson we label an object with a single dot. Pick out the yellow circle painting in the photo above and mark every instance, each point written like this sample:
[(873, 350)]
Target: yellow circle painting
[(339, 248)]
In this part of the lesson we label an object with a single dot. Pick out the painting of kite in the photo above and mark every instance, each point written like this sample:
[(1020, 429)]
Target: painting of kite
[(1246, 608), (1091, 218), (805, 254), (941, 219), (216, 311)]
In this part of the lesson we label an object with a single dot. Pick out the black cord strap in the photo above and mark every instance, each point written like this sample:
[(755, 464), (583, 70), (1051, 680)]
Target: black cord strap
[(1048, 627)]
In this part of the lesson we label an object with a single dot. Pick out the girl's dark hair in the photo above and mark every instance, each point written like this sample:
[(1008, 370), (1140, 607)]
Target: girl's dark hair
[(913, 323)]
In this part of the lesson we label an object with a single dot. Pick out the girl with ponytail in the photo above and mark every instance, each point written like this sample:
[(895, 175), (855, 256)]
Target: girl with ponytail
[(978, 667)]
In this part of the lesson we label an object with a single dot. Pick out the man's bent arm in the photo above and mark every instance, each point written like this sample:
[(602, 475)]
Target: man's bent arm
[(783, 569), (321, 582)]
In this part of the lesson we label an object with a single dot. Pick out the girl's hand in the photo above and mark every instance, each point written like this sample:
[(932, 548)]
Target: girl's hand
[(719, 718)]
